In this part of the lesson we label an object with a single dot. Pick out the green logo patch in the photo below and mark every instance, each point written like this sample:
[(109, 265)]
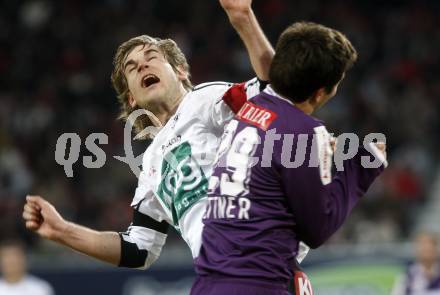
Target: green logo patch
[(183, 181)]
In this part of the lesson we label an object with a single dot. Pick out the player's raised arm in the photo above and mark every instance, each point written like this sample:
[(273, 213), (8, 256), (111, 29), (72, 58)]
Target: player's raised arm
[(243, 20)]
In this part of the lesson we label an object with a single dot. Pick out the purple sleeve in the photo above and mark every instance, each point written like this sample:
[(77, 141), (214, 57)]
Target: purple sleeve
[(320, 205)]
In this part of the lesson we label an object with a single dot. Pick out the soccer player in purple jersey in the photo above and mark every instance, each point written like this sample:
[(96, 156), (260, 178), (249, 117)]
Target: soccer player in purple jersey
[(273, 184)]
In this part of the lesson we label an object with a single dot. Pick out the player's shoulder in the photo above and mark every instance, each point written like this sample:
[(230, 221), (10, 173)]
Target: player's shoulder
[(302, 123), (204, 96), (216, 89), (208, 86), (210, 90), (289, 118)]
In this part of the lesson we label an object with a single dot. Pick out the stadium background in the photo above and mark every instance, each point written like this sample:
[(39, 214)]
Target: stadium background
[(55, 65)]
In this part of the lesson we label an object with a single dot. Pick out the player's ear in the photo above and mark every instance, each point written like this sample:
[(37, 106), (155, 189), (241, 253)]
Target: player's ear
[(181, 73), (318, 97), (131, 100)]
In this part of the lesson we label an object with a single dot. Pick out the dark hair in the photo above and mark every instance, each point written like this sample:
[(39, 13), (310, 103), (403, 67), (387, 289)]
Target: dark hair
[(309, 56)]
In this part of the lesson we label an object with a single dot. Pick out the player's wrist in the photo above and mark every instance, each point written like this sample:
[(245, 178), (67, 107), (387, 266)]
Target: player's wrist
[(61, 231), (240, 19)]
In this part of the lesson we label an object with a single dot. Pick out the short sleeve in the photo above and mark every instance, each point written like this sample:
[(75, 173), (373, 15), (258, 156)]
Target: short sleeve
[(146, 202)]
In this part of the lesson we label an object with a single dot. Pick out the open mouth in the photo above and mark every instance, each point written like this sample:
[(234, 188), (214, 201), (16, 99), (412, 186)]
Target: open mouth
[(149, 80)]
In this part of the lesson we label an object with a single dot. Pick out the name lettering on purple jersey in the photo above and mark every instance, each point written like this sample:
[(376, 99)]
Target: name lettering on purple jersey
[(232, 184), (256, 115), (221, 207)]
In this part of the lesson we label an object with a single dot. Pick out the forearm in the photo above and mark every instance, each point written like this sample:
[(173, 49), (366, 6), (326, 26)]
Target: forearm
[(337, 200), (324, 206), (258, 46), (105, 246)]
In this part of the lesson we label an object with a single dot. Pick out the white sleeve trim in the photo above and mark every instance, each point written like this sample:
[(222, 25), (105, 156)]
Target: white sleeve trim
[(146, 239), (147, 203), (325, 154), (303, 250)]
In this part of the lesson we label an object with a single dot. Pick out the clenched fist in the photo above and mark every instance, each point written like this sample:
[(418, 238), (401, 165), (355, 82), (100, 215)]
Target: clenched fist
[(40, 216)]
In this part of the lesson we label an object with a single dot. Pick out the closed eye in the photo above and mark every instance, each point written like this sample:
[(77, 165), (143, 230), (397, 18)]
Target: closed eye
[(130, 65), (151, 54)]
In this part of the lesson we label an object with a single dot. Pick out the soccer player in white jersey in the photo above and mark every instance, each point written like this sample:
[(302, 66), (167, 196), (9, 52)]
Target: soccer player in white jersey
[(153, 74)]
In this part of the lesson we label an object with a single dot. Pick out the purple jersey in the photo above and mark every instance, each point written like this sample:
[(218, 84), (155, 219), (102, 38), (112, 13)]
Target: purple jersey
[(273, 187)]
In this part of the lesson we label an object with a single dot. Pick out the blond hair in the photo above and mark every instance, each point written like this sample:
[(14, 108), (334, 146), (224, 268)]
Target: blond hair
[(172, 54)]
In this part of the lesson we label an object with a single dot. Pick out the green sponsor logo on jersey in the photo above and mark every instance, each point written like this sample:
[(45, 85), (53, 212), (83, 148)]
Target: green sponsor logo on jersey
[(183, 181)]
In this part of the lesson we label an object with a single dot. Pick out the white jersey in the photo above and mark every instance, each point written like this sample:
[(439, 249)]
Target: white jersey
[(178, 163), (28, 285)]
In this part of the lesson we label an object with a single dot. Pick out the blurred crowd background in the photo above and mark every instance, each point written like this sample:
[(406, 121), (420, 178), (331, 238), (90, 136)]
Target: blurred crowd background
[(55, 65)]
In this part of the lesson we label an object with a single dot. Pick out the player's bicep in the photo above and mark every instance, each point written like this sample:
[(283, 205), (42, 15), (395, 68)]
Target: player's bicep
[(142, 243)]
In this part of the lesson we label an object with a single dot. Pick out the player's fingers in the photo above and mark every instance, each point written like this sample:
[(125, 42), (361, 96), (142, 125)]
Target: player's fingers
[(34, 206), (32, 225), (30, 208), (28, 216), (381, 146), (32, 215), (33, 198), (36, 201)]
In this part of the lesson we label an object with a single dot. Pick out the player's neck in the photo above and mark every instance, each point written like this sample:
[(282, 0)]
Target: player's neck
[(166, 110), (315, 101), (305, 107)]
